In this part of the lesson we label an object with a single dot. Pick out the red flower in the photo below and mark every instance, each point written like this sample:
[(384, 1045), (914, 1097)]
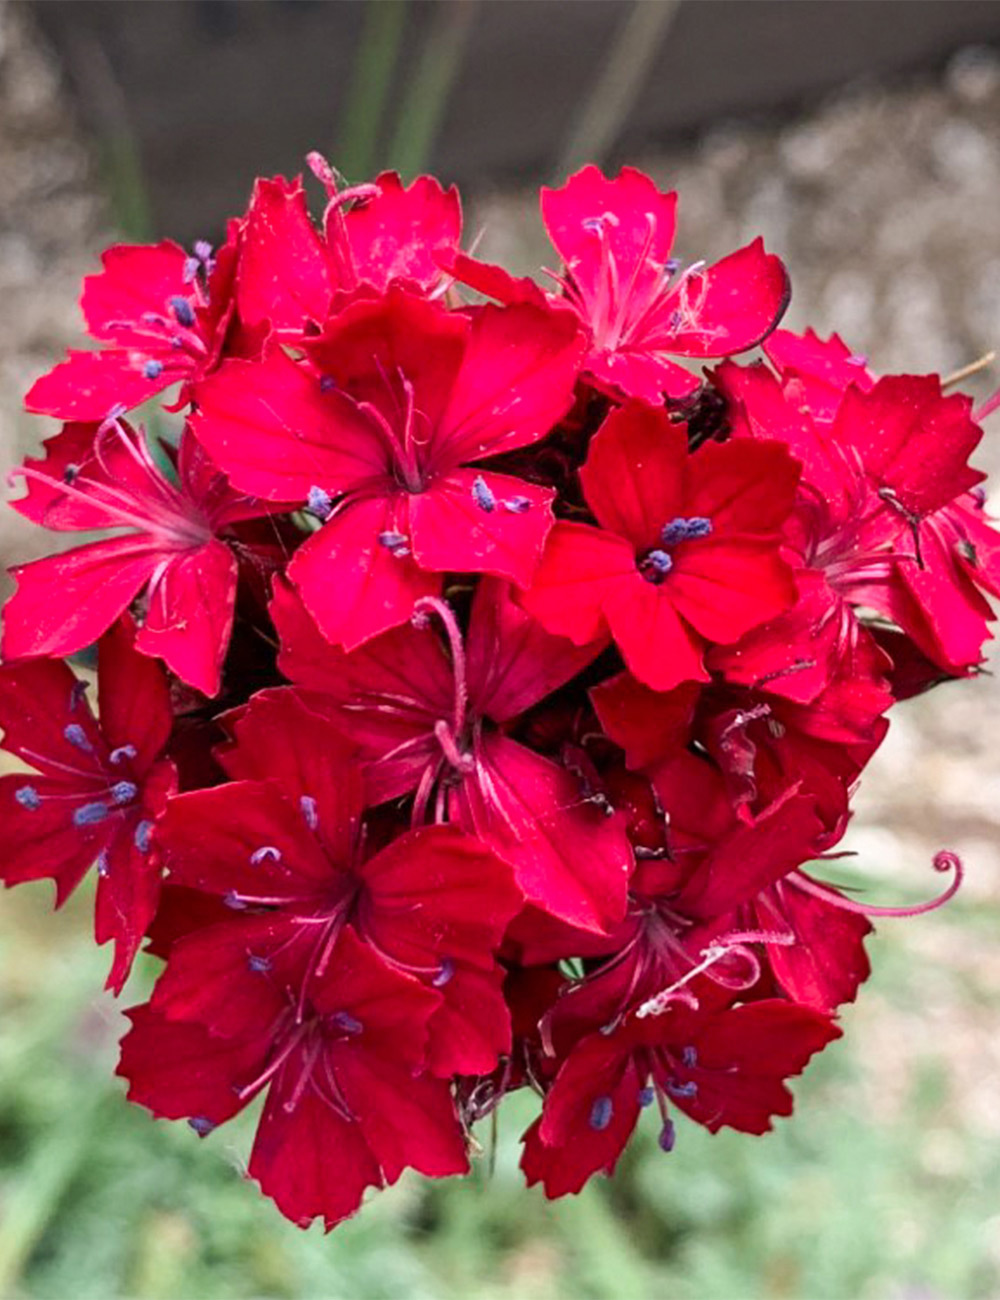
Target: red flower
[(614, 237), (163, 317), (101, 477), (687, 553), (347, 1107), (284, 847), (723, 1068), (96, 789), (437, 728), (379, 439)]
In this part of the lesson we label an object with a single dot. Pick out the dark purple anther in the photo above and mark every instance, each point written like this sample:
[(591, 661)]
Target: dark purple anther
[(102, 864), (396, 543), (482, 495), (201, 1125), (77, 694), (233, 900), (668, 1136), (77, 737), (70, 474), (655, 566), (347, 1023), (124, 792), (647, 1096), (122, 753), (677, 1089), (183, 311), (152, 370), (90, 814), (259, 965), (327, 384), (29, 798), (143, 835), (600, 1114), (685, 529), (266, 852), (319, 503), (517, 505), (690, 1057), (202, 250), (308, 806)]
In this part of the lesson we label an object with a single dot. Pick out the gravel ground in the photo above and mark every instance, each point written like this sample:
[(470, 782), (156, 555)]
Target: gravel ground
[(884, 204)]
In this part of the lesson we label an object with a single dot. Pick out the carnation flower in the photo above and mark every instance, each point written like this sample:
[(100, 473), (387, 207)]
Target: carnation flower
[(481, 692)]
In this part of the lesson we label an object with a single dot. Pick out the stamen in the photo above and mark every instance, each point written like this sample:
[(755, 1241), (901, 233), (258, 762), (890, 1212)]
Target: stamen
[(421, 613), (945, 860), (259, 965), (655, 565), (309, 811), (201, 1125), (327, 383), (90, 814), (445, 973), (122, 753), (77, 737), (647, 1096), (677, 1089), (233, 900), (143, 836), (396, 543), (124, 792), (267, 852), (183, 311), (517, 505), (102, 864), (482, 495), (152, 369), (601, 1113), (668, 1136), (347, 1023), (29, 798), (78, 691), (319, 503), (202, 250), (685, 529), (690, 1057), (70, 473)]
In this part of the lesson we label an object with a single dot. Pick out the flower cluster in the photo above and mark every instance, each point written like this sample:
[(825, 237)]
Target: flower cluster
[(476, 680)]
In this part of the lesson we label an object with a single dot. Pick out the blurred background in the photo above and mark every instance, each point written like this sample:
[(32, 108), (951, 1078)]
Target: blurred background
[(862, 139)]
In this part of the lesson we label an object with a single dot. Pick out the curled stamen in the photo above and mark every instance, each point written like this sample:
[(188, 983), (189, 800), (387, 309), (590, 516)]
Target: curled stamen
[(267, 852), (425, 606), (944, 860), (124, 792), (122, 753), (660, 1002), (461, 762)]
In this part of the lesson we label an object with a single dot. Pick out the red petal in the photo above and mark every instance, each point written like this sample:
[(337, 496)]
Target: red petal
[(64, 602), (637, 229), (511, 661), (647, 724), (134, 697), (516, 381), (210, 838), (453, 531), (658, 646), (39, 700), (136, 279), (727, 308), (580, 566), (570, 859), (403, 231), (282, 275), (190, 615), (376, 589), (634, 474), (270, 426), (89, 385)]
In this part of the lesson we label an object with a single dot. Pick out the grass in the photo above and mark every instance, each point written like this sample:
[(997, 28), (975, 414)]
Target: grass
[(882, 1186)]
